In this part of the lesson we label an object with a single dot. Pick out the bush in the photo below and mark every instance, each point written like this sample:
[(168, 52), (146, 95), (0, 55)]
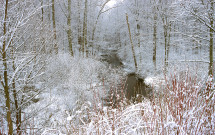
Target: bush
[(185, 107)]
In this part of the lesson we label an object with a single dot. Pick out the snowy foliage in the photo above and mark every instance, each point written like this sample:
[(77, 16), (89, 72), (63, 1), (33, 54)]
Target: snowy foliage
[(72, 83), (184, 108), (57, 74)]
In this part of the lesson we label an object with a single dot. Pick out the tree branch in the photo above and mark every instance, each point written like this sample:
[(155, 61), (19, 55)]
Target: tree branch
[(200, 19)]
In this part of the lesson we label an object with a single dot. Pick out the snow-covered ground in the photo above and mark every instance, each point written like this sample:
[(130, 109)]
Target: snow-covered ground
[(71, 83), (72, 103)]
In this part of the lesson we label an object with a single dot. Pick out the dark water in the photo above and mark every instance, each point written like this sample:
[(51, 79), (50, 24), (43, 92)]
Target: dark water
[(134, 86), (113, 60)]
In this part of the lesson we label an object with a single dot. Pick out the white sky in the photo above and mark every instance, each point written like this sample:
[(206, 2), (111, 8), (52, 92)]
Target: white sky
[(113, 2)]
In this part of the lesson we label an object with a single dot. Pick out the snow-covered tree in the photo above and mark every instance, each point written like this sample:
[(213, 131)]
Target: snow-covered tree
[(22, 59)]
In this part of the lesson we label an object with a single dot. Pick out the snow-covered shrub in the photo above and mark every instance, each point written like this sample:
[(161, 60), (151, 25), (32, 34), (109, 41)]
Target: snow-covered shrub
[(190, 105), (186, 106), (70, 84), (73, 104)]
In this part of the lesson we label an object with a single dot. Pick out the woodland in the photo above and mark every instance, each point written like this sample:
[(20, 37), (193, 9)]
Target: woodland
[(115, 67)]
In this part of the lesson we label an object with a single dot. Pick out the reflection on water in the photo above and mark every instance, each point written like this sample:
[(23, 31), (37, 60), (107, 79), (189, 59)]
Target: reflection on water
[(134, 85)]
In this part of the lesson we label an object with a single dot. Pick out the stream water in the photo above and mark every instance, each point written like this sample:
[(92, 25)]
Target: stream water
[(134, 85)]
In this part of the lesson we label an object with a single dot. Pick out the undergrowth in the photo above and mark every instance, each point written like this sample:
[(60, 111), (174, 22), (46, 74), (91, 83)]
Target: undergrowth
[(184, 106)]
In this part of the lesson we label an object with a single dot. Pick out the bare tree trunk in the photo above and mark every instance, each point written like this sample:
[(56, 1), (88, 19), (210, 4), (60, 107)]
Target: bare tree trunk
[(137, 21), (211, 52), (69, 31), (42, 19), (54, 27), (211, 14), (132, 45), (42, 10), (211, 18), (17, 109), (165, 41), (5, 76), (167, 30), (168, 39), (18, 116), (155, 37), (84, 36), (79, 24)]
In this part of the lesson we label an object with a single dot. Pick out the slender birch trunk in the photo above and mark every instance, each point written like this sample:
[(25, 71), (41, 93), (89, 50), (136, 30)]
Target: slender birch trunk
[(5, 75), (132, 45), (69, 25), (211, 17), (155, 37), (84, 34), (54, 27)]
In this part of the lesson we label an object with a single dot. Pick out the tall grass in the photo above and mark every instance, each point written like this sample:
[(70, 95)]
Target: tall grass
[(184, 106)]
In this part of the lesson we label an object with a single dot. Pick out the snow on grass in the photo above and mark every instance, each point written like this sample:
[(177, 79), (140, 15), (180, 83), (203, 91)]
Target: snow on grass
[(182, 109), (72, 103), (72, 86)]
